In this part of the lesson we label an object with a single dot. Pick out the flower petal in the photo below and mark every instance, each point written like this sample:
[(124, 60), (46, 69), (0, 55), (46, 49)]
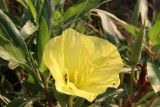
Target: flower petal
[(82, 65)]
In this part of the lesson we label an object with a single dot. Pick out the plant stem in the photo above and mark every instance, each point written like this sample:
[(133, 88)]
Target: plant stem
[(70, 101), (42, 82), (132, 81), (46, 92), (153, 99)]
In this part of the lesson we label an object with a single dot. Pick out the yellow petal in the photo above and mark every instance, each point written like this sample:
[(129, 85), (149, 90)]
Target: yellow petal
[(71, 89), (81, 65)]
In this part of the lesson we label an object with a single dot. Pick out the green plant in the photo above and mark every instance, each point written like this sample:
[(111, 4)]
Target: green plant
[(23, 39)]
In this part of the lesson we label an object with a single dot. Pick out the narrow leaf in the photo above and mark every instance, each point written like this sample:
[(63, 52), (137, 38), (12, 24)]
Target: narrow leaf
[(154, 34), (61, 98), (11, 53), (155, 102), (13, 33), (137, 48), (48, 11), (79, 102), (33, 10), (157, 17), (23, 3), (135, 15), (79, 9), (19, 102), (28, 29), (143, 10), (109, 26), (154, 75), (130, 28), (43, 38), (3, 5)]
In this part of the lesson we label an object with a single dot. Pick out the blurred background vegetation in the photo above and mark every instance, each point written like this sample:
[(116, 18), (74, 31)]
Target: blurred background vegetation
[(27, 25)]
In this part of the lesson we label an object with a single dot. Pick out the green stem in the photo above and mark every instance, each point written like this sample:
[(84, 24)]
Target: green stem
[(42, 82), (70, 101), (132, 81), (133, 73), (130, 86), (121, 79), (34, 71)]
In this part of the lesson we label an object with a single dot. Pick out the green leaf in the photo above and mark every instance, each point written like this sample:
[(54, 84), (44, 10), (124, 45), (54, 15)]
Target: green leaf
[(23, 3), (51, 11), (154, 34), (144, 98), (137, 47), (3, 5), (155, 102), (33, 10), (130, 28), (135, 16), (27, 15), (39, 6), (57, 2), (61, 98), (14, 49), (4, 99), (28, 29), (109, 94), (79, 102), (12, 32), (79, 9), (20, 102), (157, 17), (154, 74), (48, 11), (110, 28), (156, 50), (11, 53), (107, 98), (3, 40), (31, 85), (43, 38)]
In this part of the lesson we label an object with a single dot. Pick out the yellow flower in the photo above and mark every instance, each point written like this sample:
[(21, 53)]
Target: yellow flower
[(81, 65)]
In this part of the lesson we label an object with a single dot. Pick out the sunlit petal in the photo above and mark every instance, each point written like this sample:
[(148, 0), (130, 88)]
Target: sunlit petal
[(82, 65)]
